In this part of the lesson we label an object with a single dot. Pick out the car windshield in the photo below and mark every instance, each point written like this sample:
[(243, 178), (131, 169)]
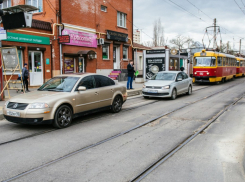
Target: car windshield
[(164, 76), (205, 61), (59, 84)]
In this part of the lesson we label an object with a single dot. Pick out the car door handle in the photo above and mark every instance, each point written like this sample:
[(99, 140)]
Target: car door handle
[(112, 90), (96, 93)]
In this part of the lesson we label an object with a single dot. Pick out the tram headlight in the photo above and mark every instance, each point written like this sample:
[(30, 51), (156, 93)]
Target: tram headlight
[(207, 73), (195, 73)]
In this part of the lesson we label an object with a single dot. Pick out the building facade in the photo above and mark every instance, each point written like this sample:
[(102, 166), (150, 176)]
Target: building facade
[(100, 32), (137, 36)]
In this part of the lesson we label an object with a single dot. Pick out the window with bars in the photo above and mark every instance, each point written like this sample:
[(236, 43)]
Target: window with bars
[(121, 19), (37, 3), (6, 4)]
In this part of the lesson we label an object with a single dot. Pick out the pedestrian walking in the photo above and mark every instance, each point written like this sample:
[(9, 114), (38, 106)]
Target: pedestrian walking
[(25, 77), (182, 68), (131, 72)]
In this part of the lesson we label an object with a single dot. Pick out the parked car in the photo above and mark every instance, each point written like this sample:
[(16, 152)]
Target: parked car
[(168, 84), (65, 97)]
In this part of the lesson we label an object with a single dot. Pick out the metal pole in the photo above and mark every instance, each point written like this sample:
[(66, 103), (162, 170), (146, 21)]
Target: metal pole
[(215, 34), (144, 65), (240, 46), (61, 60)]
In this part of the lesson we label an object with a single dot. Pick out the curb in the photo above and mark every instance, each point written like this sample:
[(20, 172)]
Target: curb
[(134, 92)]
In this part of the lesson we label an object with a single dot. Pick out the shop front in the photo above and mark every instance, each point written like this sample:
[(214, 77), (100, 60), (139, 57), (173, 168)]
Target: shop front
[(77, 55), (32, 50)]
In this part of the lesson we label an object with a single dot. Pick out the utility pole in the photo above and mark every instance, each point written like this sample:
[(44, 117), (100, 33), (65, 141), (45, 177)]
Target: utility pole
[(240, 44), (215, 43), (227, 47)]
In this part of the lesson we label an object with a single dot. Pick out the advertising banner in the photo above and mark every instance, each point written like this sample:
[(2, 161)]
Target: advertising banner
[(69, 65), (83, 39), (153, 66)]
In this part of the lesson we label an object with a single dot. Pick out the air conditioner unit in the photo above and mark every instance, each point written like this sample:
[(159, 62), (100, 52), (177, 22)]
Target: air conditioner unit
[(101, 41)]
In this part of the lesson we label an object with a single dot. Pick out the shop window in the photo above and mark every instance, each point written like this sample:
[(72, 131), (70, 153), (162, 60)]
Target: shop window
[(6, 4), (173, 64), (103, 8), (140, 63), (125, 52), (121, 19), (37, 3), (219, 61), (105, 51), (69, 65)]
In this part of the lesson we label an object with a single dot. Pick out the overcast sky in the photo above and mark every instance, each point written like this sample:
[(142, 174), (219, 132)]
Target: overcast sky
[(177, 21)]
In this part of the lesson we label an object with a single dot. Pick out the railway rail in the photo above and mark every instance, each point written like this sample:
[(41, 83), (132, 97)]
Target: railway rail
[(125, 132)]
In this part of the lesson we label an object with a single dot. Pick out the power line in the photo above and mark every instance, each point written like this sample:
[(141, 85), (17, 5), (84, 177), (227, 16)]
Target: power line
[(54, 10), (243, 3), (187, 11), (239, 7), (199, 9)]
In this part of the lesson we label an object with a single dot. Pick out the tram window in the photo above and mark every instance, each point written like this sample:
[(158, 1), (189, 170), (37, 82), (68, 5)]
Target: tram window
[(219, 61), (224, 62), (237, 64), (205, 61)]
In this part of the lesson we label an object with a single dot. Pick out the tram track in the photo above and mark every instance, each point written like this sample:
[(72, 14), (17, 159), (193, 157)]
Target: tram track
[(117, 135), (90, 119), (165, 157)]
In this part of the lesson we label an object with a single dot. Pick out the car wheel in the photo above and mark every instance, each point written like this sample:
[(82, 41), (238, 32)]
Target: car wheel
[(174, 94), (146, 97), (189, 90), (63, 117), (117, 104)]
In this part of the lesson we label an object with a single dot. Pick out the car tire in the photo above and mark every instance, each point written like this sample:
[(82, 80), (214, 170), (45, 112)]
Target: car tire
[(189, 90), (174, 94), (63, 117), (117, 104), (146, 97)]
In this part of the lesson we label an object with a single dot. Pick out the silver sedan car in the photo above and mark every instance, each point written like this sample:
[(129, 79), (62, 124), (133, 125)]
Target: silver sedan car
[(168, 84)]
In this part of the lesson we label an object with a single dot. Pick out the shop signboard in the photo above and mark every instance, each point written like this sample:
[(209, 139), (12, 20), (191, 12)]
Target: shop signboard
[(79, 38), (157, 51), (117, 36), (3, 33), (153, 66), (64, 39), (16, 37)]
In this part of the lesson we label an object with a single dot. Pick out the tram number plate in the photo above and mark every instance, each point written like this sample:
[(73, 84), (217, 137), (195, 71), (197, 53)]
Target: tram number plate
[(12, 113), (152, 91), (201, 73)]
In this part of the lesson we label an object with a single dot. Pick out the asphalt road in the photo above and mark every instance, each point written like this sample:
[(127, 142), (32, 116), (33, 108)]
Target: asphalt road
[(208, 157)]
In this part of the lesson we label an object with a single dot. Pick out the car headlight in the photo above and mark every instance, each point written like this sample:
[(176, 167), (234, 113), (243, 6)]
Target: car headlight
[(38, 106), (166, 87), (6, 103), (144, 86)]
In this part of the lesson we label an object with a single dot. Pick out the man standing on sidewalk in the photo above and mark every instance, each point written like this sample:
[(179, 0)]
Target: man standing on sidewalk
[(131, 71), (25, 77)]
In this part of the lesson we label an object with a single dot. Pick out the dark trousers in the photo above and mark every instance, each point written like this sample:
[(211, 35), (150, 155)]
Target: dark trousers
[(130, 82), (25, 82)]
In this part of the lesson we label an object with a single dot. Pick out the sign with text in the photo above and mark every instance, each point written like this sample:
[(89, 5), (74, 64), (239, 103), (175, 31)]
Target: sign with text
[(16, 37), (64, 39), (3, 33), (10, 58), (159, 51), (153, 66), (79, 38), (117, 36)]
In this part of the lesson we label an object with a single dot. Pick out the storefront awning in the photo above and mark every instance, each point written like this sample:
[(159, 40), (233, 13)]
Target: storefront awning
[(86, 52), (71, 55)]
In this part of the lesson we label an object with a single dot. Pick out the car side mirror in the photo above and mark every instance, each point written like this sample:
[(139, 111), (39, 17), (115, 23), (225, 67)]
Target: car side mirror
[(179, 79), (81, 88)]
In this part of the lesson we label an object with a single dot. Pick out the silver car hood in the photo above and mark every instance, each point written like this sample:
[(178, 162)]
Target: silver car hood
[(158, 83)]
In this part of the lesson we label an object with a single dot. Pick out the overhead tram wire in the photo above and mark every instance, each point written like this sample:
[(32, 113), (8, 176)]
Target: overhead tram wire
[(239, 7), (243, 3), (52, 8)]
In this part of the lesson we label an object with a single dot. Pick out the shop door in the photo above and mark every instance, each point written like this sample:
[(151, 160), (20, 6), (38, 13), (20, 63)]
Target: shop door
[(36, 68), (116, 57), (81, 66)]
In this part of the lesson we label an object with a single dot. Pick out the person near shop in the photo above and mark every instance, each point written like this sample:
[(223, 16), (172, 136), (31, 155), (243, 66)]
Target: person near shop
[(25, 77), (182, 68), (131, 72)]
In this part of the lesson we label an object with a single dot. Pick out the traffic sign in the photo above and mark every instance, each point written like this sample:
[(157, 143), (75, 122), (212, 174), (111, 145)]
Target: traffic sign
[(64, 39)]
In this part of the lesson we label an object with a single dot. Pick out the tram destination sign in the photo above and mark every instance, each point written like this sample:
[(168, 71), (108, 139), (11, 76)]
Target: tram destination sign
[(117, 36)]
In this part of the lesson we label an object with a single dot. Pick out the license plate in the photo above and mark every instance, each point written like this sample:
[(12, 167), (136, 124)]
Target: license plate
[(13, 113), (152, 91), (201, 73)]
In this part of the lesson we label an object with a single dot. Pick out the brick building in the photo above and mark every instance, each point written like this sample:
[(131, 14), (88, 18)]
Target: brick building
[(100, 33)]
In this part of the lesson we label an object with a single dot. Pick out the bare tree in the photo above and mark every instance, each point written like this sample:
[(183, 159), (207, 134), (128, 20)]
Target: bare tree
[(180, 41), (148, 44), (158, 34)]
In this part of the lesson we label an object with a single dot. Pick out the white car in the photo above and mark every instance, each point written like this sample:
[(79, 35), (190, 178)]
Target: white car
[(168, 84)]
